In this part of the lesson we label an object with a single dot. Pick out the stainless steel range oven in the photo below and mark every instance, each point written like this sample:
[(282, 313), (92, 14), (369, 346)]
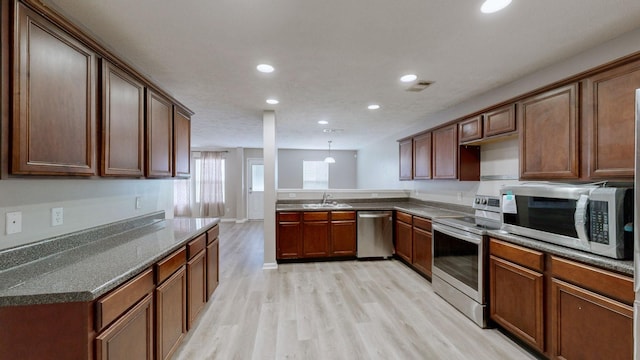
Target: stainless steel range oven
[(460, 255)]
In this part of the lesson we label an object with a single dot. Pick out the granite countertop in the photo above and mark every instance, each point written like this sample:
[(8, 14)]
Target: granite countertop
[(426, 210), (87, 271), (621, 266)]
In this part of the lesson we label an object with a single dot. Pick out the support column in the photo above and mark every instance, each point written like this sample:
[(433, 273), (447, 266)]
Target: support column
[(270, 156)]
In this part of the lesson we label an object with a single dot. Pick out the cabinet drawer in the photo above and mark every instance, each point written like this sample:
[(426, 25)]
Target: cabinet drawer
[(288, 216), (196, 245), (422, 223), (404, 217), (517, 254), (114, 304), (316, 215), (169, 265), (213, 234), (615, 286), (343, 215)]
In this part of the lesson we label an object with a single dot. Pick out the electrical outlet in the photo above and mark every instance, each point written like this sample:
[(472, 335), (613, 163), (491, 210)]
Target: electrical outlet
[(57, 216), (13, 224), (138, 202), (460, 196)]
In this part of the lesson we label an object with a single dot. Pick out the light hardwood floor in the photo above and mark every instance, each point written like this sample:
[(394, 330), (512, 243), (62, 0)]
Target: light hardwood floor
[(330, 310)]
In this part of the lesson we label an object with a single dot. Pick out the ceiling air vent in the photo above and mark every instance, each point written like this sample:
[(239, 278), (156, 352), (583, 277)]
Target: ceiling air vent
[(419, 86), (332, 130)]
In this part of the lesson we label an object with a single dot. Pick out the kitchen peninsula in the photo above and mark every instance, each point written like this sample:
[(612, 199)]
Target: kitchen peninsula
[(94, 291)]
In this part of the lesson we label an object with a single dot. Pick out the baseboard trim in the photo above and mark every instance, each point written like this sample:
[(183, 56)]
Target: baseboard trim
[(228, 220), (270, 266), (241, 221)]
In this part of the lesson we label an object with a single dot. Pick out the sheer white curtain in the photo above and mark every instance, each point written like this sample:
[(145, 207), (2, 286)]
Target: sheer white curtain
[(212, 184), (203, 194), (182, 197)]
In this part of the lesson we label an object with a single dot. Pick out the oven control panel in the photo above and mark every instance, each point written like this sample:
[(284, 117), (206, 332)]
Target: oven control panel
[(487, 202)]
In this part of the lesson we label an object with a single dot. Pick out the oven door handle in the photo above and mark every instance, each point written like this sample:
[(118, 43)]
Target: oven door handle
[(458, 234)]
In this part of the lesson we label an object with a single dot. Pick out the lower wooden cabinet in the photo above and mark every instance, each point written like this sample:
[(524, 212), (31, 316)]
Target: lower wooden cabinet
[(131, 336), (316, 234), (213, 267), (516, 295), (196, 287), (343, 233), (562, 308), (422, 253), (171, 313), (404, 240)]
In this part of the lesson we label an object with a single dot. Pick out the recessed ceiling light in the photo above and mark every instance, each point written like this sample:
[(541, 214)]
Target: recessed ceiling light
[(373, 107), (265, 68), (323, 122), (272, 101), (491, 6), (408, 78)]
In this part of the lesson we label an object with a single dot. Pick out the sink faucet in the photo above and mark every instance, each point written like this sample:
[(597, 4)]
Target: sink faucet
[(325, 197)]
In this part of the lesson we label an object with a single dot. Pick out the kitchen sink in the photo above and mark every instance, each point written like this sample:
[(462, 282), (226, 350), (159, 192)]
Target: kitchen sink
[(327, 206)]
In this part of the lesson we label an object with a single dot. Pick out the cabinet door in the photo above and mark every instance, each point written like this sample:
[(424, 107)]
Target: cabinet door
[(470, 129), (196, 287), (610, 117), (130, 337), (213, 267), (54, 119), (422, 157), (181, 142), (548, 135), (315, 239), (122, 123), (159, 135), (171, 313), (406, 159), (445, 152), (422, 251), (586, 325), (500, 121), (343, 238), (404, 243), (289, 236), (516, 300)]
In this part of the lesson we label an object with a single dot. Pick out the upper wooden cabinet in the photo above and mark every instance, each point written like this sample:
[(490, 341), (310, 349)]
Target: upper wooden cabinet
[(54, 114), (445, 152), (181, 142), (470, 129), (609, 121), (422, 156), (159, 159), (122, 123), (406, 159), (500, 121), (549, 128)]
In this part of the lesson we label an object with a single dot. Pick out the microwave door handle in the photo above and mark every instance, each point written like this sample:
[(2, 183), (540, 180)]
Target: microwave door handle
[(581, 220)]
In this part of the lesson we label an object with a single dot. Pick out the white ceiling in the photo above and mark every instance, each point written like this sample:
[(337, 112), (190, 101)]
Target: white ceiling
[(335, 57)]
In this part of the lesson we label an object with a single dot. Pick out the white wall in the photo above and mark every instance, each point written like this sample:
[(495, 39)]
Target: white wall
[(378, 162), (86, 202), (342, 174)]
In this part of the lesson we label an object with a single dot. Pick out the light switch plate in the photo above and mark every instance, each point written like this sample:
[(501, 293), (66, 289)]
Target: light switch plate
[(138, 202), (14, 222)]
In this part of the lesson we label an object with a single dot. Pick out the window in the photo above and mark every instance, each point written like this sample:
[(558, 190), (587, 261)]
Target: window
[(198, 179), (315, 175)]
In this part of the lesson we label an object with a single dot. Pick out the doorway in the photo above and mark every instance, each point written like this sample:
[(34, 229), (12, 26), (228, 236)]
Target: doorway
[(255, 188)]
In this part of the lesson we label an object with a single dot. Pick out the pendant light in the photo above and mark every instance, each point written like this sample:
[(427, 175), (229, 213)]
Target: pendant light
[(329, 159)]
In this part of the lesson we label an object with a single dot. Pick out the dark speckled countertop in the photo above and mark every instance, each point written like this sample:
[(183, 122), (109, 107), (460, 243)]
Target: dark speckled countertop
[(105, 258)]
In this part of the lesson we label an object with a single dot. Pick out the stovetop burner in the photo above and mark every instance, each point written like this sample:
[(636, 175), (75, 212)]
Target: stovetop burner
[(487, 216)]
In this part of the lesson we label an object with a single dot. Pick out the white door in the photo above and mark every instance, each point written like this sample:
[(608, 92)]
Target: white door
[(256, 189)]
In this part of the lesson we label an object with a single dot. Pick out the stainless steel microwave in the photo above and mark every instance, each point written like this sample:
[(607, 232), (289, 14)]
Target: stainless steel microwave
[(585, 217)]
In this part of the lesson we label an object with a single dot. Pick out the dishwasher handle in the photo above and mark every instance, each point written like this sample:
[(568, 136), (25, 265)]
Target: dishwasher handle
[(373, 216)]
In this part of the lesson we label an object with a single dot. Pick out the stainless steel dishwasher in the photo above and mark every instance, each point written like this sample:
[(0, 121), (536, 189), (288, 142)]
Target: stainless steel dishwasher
[(375, 234)]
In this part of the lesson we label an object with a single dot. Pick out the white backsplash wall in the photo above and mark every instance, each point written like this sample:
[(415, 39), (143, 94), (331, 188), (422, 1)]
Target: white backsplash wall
[(86, 203)]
